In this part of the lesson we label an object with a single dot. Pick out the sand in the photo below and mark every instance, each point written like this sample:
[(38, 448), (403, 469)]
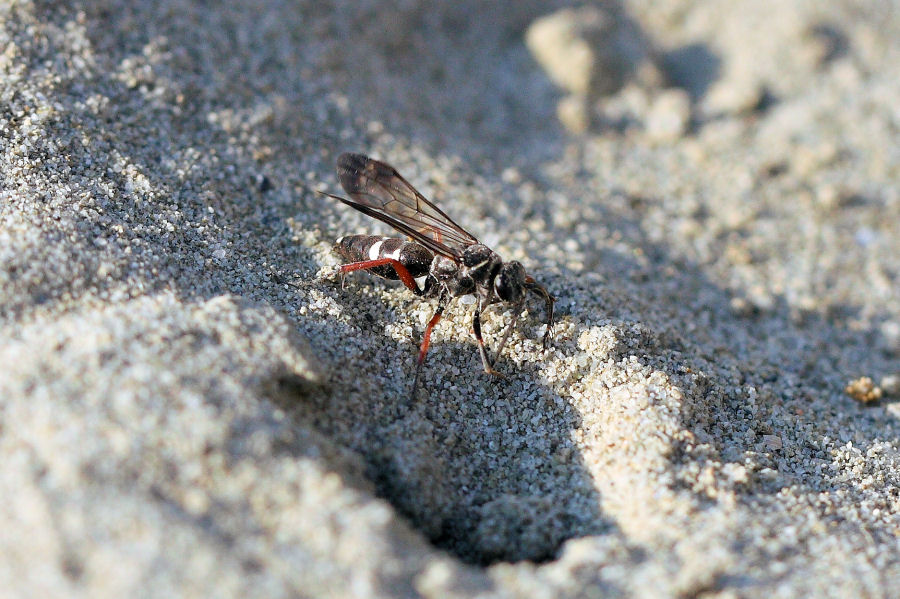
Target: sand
[(191, 406)]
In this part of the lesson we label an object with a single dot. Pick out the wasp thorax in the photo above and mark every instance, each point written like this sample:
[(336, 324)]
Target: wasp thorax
[(461, 285), (447, 273), (443, 268), (481, 262), (510, 282)]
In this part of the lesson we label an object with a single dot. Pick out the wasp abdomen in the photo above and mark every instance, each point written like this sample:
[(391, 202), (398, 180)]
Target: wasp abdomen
[(360, 248)]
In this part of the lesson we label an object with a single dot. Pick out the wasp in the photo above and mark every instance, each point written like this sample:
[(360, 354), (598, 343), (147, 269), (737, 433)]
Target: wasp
[(451, 260)]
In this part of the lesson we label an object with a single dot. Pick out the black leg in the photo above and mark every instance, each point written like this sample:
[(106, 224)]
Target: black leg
[(534, 287), (517, 310), (476, 327)]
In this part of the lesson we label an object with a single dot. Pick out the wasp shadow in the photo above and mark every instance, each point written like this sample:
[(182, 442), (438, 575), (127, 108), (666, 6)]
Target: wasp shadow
[(485, 467)]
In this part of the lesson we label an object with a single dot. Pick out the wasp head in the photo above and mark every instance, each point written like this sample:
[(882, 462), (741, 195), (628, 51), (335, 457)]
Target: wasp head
[(509, 285)]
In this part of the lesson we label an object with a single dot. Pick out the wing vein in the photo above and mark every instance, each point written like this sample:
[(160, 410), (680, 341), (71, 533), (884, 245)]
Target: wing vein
[(379, 191)]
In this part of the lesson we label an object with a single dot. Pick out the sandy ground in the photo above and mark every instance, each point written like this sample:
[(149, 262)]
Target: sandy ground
[(188, 407)]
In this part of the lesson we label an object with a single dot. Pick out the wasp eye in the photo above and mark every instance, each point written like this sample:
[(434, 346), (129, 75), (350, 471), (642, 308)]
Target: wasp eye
[(510, 282)]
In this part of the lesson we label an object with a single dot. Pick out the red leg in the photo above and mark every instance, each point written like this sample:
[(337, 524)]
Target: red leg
[(426, 341), (401, 271)]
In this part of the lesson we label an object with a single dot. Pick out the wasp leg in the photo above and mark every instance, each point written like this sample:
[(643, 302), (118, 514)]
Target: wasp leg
[(426, 341), (482, 350), (401, 271), (517, 310), (532, 286)]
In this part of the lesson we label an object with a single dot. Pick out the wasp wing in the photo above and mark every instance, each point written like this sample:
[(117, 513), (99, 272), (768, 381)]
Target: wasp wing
[(379, 191)]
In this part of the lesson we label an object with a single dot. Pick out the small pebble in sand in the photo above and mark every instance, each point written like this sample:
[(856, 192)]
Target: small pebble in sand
[(863, 390)]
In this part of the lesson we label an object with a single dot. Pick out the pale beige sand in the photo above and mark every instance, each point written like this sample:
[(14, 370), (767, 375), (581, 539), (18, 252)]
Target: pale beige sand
[(177, 419)]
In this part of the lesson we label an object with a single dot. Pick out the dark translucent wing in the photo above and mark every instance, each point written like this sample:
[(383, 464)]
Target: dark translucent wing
[(379, 191)]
